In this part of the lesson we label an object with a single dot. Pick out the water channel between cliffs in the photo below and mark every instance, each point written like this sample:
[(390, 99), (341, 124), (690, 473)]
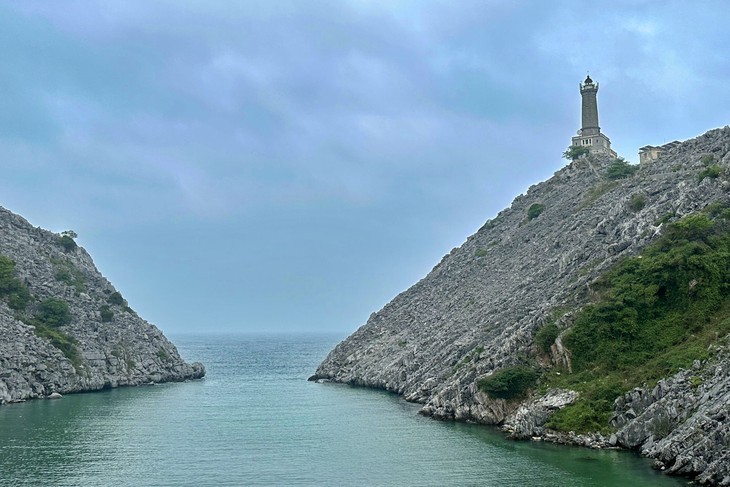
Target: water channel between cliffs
[(255, 420)]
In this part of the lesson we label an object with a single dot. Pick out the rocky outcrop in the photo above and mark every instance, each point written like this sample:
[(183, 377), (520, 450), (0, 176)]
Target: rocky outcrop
[(683, 422), (479, 308), (114, 346), (530, 418)]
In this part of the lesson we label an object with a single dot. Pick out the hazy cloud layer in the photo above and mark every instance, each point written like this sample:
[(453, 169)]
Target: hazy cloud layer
[(293, 165)]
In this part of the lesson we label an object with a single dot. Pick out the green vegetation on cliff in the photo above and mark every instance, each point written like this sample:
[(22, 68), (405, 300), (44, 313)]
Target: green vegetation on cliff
[(545, 337), (620, 169), (711, 170), (574, 152), (61, 341), (12, 290), (650, 316), (48, 316), (535, 210), (66, 240), (509, 383), (53, 312), (67, 273), (116, 298), (106, 313)]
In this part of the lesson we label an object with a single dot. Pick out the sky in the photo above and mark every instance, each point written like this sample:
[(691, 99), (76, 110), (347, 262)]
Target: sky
[(290, 166)]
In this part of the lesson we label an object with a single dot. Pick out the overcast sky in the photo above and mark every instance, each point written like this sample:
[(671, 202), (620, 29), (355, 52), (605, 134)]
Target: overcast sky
[(293, 165)]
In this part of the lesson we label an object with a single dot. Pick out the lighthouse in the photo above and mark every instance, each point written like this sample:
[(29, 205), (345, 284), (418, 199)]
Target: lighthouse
[(589, 135)]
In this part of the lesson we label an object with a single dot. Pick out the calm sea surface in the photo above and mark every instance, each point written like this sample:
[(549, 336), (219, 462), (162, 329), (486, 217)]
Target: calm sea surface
[(255, 420)]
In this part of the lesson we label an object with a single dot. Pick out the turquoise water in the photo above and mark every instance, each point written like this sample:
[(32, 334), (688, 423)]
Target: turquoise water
[(255, 420)]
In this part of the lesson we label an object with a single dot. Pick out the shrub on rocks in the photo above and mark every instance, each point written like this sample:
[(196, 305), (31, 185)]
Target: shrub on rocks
[(106, 313), (575, 152), (509, 383), (66, 240), (535, 210), (620, 169), (546, 336), (116, 298), (16, 293), (53, 312), (637, 202)]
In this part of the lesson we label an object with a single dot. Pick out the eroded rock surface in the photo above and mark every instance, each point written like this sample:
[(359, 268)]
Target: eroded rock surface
[(530, 418), (683, 421), (125, 350)]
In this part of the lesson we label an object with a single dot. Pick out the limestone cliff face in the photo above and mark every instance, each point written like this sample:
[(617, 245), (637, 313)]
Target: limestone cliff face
[(478, 309), (683, 422), (115, 347)]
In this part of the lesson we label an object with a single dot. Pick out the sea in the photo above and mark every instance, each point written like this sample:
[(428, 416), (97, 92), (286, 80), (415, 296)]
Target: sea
[(256, 421)]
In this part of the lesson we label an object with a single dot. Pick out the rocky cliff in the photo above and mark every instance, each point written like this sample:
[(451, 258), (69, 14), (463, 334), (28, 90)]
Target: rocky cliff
[(479, 309), (63, 326)]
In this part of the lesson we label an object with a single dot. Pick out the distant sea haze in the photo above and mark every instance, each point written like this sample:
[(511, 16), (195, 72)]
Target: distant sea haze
[(255, 420)]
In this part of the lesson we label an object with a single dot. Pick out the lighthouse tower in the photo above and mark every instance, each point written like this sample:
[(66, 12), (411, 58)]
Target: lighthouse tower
[(590, 135)]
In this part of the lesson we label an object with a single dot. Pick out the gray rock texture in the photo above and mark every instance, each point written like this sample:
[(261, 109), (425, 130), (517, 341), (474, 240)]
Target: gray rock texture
[(478, 309), (124, 351), (529, 419), (683, 422)]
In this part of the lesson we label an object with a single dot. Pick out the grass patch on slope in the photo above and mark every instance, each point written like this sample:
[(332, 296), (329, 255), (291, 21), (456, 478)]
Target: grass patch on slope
[(65, 343), (651, 315), (12, 290), (47, 317), (66, 272)]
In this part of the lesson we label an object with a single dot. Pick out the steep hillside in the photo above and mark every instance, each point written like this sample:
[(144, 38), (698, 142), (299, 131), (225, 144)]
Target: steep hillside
[(63, 326), (532, 267)]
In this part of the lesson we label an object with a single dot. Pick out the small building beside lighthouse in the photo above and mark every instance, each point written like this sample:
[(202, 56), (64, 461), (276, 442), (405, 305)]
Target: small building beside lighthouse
[(589, 135)]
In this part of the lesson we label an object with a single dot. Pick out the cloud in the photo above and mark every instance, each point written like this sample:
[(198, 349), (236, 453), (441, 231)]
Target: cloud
[(392, 128), (643, 27)]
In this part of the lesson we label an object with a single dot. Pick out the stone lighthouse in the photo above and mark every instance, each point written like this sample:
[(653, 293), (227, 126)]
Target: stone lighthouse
[(590, 136)]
